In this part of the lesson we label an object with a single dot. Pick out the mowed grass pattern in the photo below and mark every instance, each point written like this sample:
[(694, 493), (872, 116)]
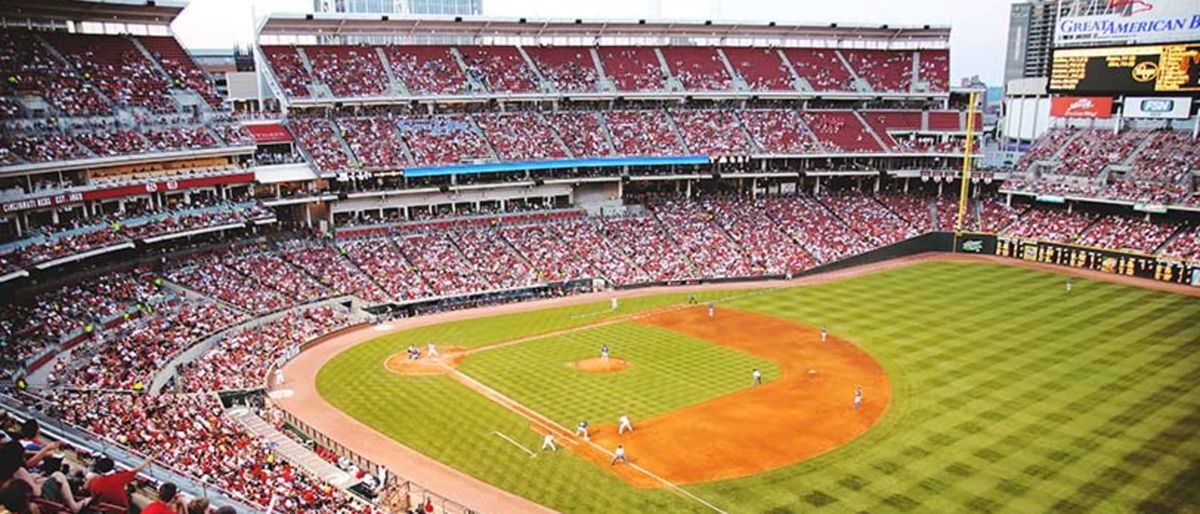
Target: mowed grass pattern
[(667, 371), (1010, 395)]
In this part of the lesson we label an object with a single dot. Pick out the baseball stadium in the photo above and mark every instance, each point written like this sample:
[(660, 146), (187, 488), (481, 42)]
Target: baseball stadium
[(418, 257)]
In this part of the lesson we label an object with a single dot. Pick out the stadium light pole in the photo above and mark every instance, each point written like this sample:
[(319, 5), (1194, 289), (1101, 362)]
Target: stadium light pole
[(966, 169)]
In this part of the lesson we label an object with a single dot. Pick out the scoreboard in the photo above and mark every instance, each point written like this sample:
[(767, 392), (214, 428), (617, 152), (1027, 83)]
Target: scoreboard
[(1136, 70)]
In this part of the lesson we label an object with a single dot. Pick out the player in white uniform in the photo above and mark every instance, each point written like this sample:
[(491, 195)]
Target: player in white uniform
[(711, 310), (603, 353), (433, 353), (548, 442), (614, 303), (619, 455), (1068, 284), (857, 397), (824, 334), (581, 430), (757, 377), (624, 424)]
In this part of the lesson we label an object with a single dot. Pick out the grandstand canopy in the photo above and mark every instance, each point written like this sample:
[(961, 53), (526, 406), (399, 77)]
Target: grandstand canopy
[(146, 12), (285, 28)]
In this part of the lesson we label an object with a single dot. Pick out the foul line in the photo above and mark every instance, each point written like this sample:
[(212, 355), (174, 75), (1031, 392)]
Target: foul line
[(518, 445), (551, 425)]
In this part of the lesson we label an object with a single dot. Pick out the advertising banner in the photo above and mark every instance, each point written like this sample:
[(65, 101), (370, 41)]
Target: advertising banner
[(1161, 107), (1090, 22), (1081, 107)]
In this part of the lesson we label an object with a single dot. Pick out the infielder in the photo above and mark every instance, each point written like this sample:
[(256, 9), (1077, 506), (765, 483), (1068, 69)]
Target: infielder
[(857, 397), (824, 334), (604, 353), (619, 455), (433, 353), (581, 430), (757, 377), (548, 442), (624, 424), (711, 310)]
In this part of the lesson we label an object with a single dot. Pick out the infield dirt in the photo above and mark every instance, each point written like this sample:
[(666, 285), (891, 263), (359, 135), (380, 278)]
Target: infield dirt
[(763, 427)]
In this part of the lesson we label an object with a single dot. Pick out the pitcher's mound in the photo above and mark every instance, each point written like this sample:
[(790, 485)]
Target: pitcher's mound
[(595, 365)]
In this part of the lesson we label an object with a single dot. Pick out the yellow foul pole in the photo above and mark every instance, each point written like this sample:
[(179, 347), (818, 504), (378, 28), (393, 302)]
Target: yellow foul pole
[(966, 168)]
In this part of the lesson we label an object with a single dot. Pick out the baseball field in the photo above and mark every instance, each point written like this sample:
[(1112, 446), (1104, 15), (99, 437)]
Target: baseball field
[(986, 388)]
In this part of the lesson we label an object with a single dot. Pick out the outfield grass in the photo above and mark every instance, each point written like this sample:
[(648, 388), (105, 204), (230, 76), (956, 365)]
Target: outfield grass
[(1011, 395)]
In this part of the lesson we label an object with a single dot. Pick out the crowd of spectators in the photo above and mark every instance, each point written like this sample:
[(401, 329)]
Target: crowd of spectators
[(1094, 149), (886, 71), (381, 260), (323, 262), (868, 217), (815, 229), (570, 69), (643, 133), (444, 139), (840, 131), (320, 140), (348, 71), (698, 68), (647, 246), (500, 69), (521, 136), (712, 132), (242, 359), (210, 276), (1054, 224), (190, 434), (127, 357), (762, 239), (581, 132), (374, 141), (1136, 233), (701, 241)]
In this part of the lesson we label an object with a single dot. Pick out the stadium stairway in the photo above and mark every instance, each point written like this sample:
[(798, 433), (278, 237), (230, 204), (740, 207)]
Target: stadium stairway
[(291, 450)]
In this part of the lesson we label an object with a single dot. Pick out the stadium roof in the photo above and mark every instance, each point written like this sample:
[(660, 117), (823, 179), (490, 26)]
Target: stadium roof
[(149, 12), (332, 25)]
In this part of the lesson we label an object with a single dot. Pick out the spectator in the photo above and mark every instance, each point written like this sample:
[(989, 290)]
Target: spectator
[(168, 502), (109, 486)]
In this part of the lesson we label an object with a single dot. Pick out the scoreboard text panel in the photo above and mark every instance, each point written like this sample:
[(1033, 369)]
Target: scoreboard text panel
[(1137, 70)]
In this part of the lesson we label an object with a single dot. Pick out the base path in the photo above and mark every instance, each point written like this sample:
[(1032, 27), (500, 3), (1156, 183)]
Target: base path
[(763, 427)]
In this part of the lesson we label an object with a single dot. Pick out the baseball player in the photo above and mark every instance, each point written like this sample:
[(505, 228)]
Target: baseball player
[(711, 310), (624, 424), (619, 455), (824, 334), (857, 397), (614, 303), (758, 380), (548, 442), (604, 353), (433, 353), (1068, 284), (581, 430)]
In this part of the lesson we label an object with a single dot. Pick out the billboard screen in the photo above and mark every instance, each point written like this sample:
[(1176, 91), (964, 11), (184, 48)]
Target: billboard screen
[(1135, 70), (1113, 22)]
